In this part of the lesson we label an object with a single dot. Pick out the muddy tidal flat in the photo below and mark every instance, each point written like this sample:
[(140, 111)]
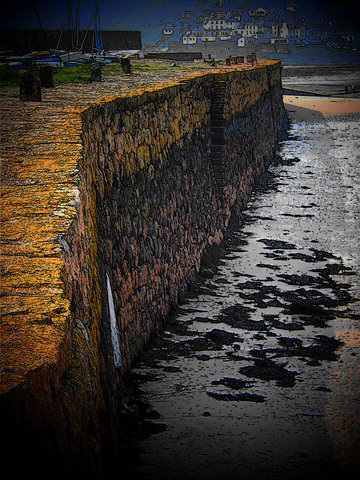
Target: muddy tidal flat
[(340, 80), (257, 375)]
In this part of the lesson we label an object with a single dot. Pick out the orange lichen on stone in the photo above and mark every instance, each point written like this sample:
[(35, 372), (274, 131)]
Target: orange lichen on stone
[(43, 197)]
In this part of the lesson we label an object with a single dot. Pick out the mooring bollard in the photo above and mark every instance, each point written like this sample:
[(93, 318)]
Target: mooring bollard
[(227, 61), (95, 72), (126, 65), (46, 76), (241, 59), (30, 87)]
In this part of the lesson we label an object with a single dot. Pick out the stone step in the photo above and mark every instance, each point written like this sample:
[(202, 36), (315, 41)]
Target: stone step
[(216, 117), (217, 157), (217, 141), (216, 110), (217, 135), (220, 182), (218, 161), (218, 168), (220, 177), (217, 130), (217, 148), (217, 123)]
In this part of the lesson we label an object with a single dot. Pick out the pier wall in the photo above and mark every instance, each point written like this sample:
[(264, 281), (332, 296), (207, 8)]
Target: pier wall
[(158, 178)]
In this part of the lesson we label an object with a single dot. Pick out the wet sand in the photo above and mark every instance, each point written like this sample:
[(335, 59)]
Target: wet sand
[(317, 106), (256, 375), (328, 80)]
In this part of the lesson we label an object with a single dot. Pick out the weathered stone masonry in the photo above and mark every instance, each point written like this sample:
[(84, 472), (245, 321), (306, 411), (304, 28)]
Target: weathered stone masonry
[(158, 178)]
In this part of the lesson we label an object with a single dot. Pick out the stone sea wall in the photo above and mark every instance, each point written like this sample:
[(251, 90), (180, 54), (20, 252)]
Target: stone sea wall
[(159, 176), (170, 166)]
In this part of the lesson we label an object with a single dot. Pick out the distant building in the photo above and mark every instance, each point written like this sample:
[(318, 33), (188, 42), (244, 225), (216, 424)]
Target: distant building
[(219, 21), (225, 34), (245, 41), (168, 30), (237, 13), (280, 30), (290, 5), (250, 30), (189, 38), (258, 12)]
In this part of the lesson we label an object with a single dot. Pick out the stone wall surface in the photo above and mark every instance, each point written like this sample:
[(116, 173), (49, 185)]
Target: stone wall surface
[(130, 191)]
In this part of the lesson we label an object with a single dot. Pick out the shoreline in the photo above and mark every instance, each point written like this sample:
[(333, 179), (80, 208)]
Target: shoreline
[(308, 106)]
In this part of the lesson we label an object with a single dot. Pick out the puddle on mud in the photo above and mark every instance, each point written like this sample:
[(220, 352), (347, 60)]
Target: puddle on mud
[(254, 376)]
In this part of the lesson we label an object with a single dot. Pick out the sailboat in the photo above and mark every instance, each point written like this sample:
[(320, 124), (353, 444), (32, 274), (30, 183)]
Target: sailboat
[(74, 54), (74, 51), (97, 49)]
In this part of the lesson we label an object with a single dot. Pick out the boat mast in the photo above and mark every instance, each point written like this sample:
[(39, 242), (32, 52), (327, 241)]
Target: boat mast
[(97, 28), (77, 24), (70, 27), (41, 25)]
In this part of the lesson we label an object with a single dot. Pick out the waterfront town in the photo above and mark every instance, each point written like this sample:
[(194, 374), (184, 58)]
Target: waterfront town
[(226, 28)]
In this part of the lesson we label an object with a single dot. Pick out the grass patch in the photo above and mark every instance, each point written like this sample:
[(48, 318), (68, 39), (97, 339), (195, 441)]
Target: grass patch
[(62, 76), (65, 75), (8, 77), (81, 73)]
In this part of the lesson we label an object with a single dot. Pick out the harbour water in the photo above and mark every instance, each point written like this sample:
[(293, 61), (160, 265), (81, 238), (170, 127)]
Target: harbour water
[(256, 375)]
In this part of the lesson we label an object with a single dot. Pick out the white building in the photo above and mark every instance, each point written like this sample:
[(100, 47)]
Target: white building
[(297, 33), (280, 30), (220, 21), (168, 30), (189, 38), (250, 30), (209, 38), (225, 34), (245, 41)]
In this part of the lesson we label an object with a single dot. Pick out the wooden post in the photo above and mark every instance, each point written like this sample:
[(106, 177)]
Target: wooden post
[(95, 72), (46, 76), (126, 65), (30, 87)]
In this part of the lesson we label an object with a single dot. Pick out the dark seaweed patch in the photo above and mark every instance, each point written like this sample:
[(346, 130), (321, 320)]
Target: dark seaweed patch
[(236, 396), (231, 382), (277, 244), (266, 369)]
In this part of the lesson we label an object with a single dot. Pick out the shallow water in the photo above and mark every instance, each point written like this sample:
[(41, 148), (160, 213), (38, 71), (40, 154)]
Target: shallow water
[(256, 375)]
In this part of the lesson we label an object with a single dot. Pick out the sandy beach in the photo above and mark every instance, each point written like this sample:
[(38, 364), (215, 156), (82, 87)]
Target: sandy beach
[(308, 108)]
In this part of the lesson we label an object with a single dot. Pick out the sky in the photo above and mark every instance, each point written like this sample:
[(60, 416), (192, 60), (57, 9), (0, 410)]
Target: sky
[(150, 16)]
